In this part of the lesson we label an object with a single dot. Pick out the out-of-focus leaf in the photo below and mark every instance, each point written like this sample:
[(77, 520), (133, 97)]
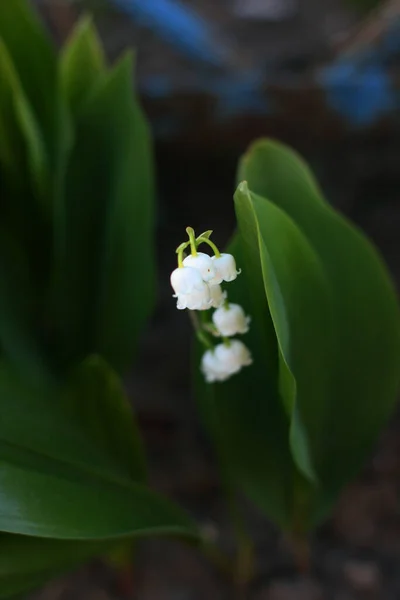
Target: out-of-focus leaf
[(11, 145), (24, 556), (359, 319), (29, 562), (81, 64), (22, 150), (100, 405), (19, 317), (35, 62), (36, 151), (104, 290), (56, 482)]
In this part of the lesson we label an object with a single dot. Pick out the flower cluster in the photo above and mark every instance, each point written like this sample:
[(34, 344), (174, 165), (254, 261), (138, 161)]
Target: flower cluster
[(197, 286)]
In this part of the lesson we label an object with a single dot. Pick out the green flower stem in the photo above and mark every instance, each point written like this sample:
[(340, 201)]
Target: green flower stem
[(198, 327), (192, 240), (180, 250), (203, 240)]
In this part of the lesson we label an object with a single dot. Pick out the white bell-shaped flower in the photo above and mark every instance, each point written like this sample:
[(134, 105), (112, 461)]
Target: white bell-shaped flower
[(217, 296), (222, 362), (185, 280), (231, 320), (203, 263), (211, 368), (225, 268), (199, 299)]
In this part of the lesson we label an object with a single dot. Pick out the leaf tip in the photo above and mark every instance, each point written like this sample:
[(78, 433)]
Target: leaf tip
[(243, 187)]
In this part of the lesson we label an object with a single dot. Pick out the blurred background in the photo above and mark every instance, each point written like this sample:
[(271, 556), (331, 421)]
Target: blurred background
[(213, 75)]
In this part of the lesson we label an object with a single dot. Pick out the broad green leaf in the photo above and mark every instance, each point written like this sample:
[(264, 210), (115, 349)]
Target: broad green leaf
[(19, 315), (46, 504), (82, 64), (35, 148), (98, 402), (11, 143), (57, 483), (362, 345), (298, 296), (104, 292), (28, 562), (22, 153), (35, 61), (24, 556), (244, 415)]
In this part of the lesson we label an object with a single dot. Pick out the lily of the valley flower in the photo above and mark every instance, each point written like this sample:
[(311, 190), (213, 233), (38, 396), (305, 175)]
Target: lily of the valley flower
[(231, 320), (190, 289), (203, 263), (225, 268), (196, 283), (185, 280), (217, 296), (225, 360), (197, 300)]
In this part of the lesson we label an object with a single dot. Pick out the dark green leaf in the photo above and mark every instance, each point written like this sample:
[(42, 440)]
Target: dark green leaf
[(11, 144), (28, 562), (299, 301), (244, 414), (57, 483), (23, 160), (81, 65), (36, 152), (364, 338), (100, 405), (19, 311), (105, 289), (34, 59)]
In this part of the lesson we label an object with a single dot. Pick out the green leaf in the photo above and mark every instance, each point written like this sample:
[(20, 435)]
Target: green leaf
[(11, 144), (103, 293), (35, 61), (82, 64), (58, 481), (22, 150), (357, 314), (19, 340), (298, 296), (244, 415), (36, 152), (24, 556), (100, 405), (28, 562)]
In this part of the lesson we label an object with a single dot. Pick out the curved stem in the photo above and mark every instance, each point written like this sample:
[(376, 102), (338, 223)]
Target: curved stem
[(180, 250), (201, 240)]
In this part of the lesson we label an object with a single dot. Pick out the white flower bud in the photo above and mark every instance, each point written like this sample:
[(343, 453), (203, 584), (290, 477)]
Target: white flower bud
[(230, 320), (217, 295), (203, 263), (225, 269), (222, 362), (196, 300)]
